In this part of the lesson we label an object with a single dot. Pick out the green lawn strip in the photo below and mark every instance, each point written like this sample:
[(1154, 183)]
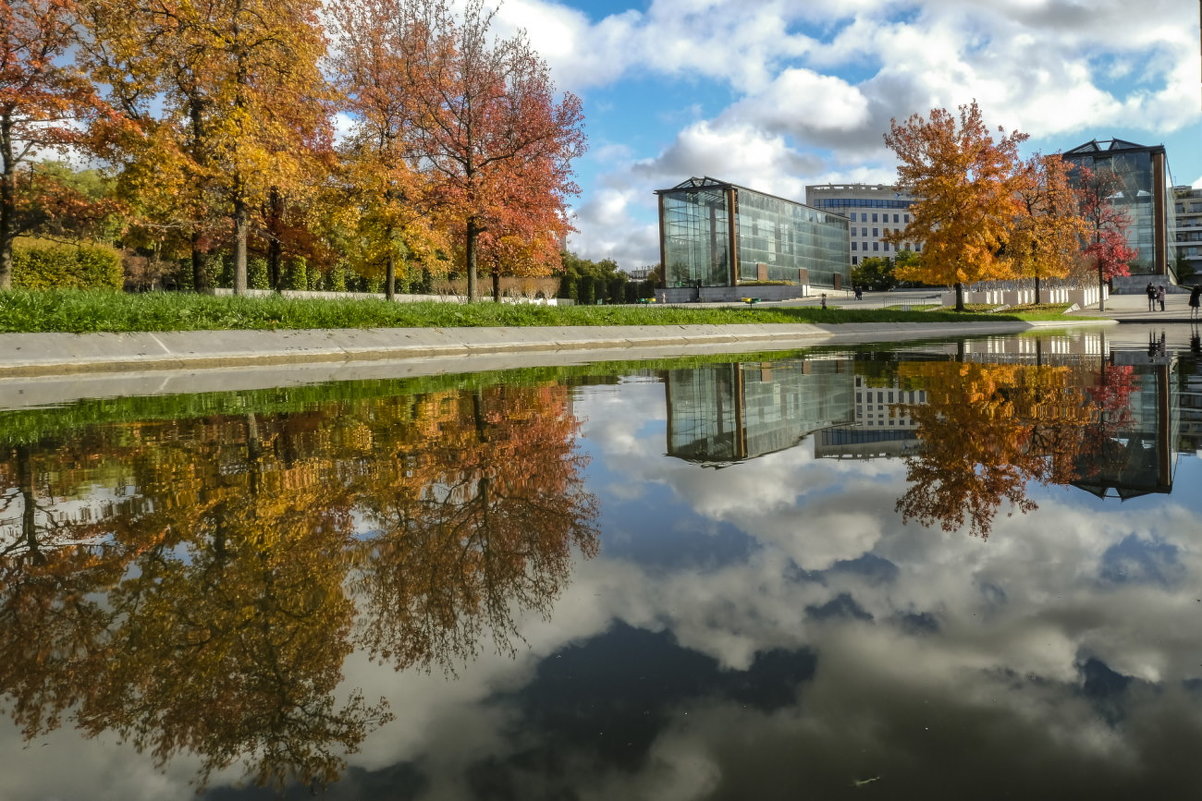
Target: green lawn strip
[(81, 311)]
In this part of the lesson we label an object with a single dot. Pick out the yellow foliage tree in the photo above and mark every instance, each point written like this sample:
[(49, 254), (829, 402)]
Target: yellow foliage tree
[(967, 203)]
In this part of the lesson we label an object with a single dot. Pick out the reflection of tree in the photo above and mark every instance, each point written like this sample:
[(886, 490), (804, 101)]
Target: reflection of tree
[(474, 521), (201, 605), (988, 429), (233, 633)]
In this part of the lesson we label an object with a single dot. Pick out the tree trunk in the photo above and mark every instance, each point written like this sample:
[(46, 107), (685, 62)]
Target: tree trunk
[(496, 285), (275, 248), (1037, 295), (29, 509), (959, 296), (241, 231), (473, 231), (389, 266), (8, 203), (1101, 289), (198, 264)]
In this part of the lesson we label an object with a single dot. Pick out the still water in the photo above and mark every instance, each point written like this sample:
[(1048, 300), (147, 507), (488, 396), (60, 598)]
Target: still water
[(963, 569)]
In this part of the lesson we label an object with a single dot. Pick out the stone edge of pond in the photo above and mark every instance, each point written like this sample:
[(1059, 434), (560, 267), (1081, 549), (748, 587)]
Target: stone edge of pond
[(34, 355)]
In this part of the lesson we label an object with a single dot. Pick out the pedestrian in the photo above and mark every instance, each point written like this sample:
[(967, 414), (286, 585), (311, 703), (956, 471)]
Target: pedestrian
[(1150, 291), (824, 300), (1160, 296), (1194, 295)]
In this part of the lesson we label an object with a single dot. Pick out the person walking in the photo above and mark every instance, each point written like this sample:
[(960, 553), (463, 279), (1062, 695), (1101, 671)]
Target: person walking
[(1160, 296), (1194, 296)]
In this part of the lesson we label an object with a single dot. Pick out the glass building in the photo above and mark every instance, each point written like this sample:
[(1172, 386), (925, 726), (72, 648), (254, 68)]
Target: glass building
[(1144, 193), (714, 233)]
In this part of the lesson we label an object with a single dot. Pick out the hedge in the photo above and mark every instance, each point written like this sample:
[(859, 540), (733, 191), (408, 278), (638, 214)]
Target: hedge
[(42, 264)]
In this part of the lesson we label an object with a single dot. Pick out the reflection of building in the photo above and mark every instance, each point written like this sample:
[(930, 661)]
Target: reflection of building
[(714, 233), (1187, 206), (1140, 457), (724, 413), (1143, 193), (873, 209), (881, 427)]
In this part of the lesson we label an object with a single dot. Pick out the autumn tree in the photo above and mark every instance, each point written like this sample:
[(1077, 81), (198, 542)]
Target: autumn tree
[(228, 97), (1105, 226), (964, 181), (488, 126), (42, 94), (1046, 239), (397, 219)]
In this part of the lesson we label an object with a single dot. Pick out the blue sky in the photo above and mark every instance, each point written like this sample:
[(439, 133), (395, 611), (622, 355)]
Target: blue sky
[(777, 94)]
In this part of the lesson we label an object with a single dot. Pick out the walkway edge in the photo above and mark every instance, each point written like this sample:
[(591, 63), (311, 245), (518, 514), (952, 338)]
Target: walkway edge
[(64, 354)]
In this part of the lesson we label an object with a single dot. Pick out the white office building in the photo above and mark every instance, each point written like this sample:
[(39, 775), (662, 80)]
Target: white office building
[(873, 209)]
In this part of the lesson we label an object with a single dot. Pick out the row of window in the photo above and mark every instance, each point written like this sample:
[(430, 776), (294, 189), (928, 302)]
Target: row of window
[(877, 217), (861, 203), (878, 246)]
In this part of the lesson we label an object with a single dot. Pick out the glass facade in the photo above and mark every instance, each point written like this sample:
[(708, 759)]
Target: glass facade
[(695, 233), (1143, 194), (773, 239)]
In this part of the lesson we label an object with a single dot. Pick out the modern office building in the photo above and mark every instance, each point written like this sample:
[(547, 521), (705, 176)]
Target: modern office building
[(873, 210), (1143, 192), (1187, 206), (714, 233)]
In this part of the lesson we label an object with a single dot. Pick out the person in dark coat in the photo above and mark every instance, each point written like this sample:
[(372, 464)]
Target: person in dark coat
[(1194, 295), (1150, 291)]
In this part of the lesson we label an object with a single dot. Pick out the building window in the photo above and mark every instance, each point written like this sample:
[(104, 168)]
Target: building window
[(907, 218), (894, 218), (874, 216), (853, 246), (855, 259), (876, 245), (876, 231), (863, 232)]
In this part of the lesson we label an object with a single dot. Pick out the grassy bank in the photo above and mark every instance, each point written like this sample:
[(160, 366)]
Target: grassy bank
[(75, 311)]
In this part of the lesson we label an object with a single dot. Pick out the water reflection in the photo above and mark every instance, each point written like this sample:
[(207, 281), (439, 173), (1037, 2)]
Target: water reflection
[(192, 584), (511, 590), (975, 425)]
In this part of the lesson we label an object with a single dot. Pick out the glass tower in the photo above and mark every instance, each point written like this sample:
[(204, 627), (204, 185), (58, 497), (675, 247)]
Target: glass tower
[(1143, 192)]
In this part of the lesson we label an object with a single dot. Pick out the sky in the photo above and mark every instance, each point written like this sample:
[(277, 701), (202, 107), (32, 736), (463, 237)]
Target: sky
[(778, 94)]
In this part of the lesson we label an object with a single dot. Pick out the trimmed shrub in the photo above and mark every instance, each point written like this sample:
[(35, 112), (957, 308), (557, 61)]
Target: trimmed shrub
[(41, 264)]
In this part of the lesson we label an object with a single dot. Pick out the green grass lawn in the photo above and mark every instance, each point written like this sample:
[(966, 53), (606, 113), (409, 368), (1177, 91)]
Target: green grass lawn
[(77, 311)]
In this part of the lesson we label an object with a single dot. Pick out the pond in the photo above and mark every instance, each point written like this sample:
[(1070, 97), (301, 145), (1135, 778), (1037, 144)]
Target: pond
[(944, 569)]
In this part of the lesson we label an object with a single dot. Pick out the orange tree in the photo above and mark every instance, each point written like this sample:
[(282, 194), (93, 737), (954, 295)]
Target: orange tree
[(489, 128), (1046, 239), (965, 183), (41, 94)]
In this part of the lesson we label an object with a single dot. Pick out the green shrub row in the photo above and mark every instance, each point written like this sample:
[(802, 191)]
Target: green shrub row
[(588, 289), (42, 264)]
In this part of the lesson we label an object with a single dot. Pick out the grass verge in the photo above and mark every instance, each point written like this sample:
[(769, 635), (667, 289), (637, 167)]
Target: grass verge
[(81, 311)]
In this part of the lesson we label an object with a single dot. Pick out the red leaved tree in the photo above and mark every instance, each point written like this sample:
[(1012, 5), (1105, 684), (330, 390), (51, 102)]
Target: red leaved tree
[(489, 127), (1106, 226)]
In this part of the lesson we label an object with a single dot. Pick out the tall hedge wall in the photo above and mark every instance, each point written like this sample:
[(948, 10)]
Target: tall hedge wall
[(41, 264)]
